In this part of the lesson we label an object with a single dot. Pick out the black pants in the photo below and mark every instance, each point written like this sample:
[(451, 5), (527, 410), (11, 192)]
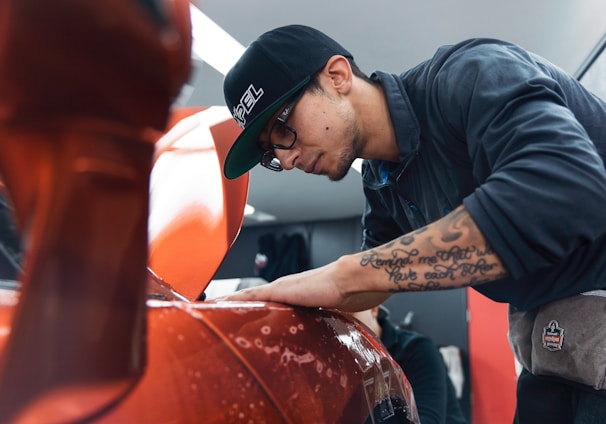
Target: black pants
[(541, 400)]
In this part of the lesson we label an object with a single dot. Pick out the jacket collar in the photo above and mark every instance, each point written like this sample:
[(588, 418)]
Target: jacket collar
[(404, 120)]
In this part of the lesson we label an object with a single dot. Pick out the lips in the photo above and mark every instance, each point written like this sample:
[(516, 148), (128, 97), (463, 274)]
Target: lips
[(314, 167)]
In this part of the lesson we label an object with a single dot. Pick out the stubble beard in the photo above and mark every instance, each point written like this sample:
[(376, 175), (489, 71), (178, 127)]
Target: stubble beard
[(343, 165), (347, 157)]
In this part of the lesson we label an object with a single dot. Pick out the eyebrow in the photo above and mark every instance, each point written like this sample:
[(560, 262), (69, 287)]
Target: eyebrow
[(268, 125), (288, 105)]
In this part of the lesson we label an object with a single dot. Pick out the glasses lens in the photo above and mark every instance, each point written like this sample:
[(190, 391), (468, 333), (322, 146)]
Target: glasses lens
[(270, 161), (282, 136)]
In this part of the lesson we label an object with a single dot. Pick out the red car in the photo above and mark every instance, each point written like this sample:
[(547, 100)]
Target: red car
[(103, 325)]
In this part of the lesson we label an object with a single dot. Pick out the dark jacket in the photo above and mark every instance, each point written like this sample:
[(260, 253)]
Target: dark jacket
[(520, 143)]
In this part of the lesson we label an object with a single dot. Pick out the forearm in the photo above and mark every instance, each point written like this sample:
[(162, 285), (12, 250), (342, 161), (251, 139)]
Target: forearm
[(449, 253)]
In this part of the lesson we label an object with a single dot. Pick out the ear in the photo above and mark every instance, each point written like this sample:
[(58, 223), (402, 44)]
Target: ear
[(339, 71)]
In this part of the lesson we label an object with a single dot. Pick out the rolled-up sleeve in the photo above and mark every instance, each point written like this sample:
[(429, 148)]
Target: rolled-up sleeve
[(542, 184)]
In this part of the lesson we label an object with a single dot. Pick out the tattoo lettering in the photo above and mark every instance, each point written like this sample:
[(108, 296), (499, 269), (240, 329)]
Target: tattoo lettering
[(455, 254), (428, 286), (449, 253), (487, 251), (446, 265), (398, 266), (399, 258)]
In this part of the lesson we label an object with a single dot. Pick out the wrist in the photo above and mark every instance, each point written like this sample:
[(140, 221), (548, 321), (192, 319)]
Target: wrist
[(350, 274), (358, 286)]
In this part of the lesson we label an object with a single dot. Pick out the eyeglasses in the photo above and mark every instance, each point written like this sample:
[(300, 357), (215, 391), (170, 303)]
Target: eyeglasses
[(281, 136)]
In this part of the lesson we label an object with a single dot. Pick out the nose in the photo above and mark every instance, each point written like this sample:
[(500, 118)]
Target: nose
[(288, 158)]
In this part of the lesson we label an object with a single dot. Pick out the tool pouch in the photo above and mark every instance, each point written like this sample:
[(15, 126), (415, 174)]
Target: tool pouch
[(565, 338)]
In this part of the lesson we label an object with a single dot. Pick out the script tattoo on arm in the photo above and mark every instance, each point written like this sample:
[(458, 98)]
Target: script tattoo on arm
[(449, 253)]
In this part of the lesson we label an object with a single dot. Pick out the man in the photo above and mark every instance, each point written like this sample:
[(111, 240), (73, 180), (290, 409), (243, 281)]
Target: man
[(422, 364), (484, 168)]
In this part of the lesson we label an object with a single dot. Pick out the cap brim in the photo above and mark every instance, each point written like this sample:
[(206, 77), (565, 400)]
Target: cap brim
[(245, 153)]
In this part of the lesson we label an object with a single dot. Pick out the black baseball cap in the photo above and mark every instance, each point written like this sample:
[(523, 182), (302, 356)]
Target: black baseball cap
[(273, 67)]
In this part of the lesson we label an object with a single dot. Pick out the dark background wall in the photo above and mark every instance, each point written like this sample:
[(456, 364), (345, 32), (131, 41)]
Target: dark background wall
[(440, 315)]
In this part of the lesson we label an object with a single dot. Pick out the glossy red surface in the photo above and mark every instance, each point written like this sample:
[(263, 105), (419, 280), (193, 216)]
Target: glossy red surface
[(195, 213), (221, 362), (258, 363)]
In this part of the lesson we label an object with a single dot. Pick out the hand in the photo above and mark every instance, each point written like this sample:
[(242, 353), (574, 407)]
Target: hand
[(321, 287)]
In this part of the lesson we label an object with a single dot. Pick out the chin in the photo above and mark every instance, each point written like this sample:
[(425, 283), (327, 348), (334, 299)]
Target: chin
[(340, 172), (337, 177)]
